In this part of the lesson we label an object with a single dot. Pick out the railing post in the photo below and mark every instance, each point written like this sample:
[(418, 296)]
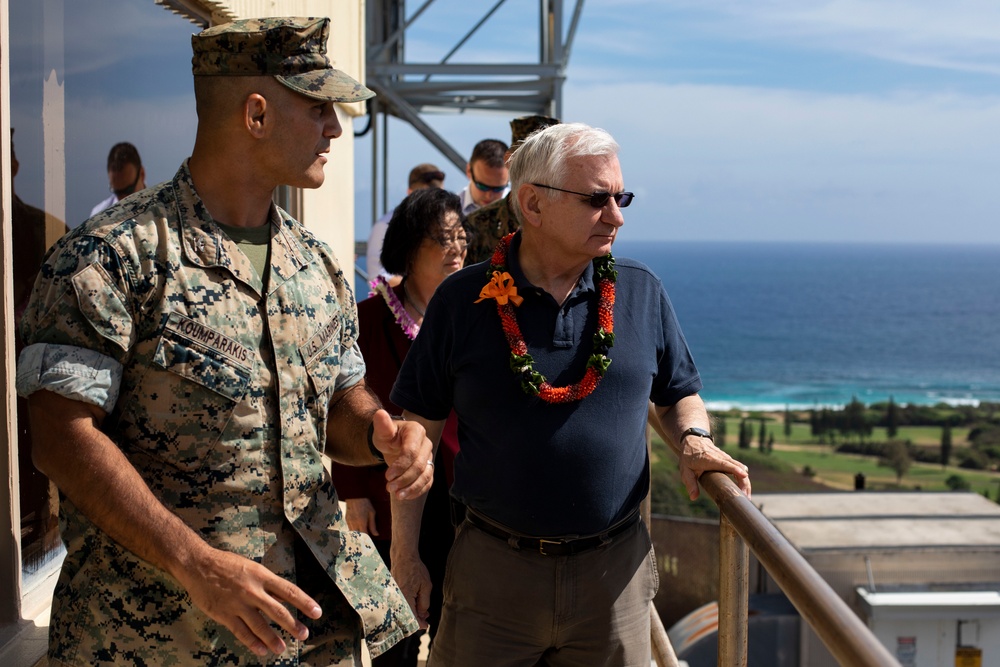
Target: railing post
[(663, 651), (844, 634), (734, 592)]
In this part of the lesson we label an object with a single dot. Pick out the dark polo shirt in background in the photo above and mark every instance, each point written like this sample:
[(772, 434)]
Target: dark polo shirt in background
[(540, 469)]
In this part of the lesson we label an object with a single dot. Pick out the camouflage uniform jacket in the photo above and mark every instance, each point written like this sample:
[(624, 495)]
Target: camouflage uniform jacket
[(218, 395), (489, 224)]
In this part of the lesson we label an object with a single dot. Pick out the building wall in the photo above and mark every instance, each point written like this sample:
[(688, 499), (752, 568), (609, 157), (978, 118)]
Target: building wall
[(687, 559), (958, 567), (9, 510), (929, 643)]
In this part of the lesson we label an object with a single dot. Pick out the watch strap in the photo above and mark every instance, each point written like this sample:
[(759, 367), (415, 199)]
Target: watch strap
[(700, 432)]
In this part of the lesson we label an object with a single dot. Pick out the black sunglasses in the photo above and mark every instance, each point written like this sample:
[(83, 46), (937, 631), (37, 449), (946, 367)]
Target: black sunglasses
[(129, 189), (484, 187), (597, 199)]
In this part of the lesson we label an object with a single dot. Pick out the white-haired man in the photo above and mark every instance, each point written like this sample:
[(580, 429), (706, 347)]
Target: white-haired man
[(550, 362)]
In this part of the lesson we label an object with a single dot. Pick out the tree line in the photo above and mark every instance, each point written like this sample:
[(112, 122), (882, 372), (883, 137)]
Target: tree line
[(875, 430), (853, 426)]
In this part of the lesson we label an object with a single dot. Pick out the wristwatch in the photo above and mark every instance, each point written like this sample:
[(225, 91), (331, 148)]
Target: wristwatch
[(700, 432)]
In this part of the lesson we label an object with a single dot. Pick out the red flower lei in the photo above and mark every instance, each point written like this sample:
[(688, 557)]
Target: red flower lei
[(501, 287)]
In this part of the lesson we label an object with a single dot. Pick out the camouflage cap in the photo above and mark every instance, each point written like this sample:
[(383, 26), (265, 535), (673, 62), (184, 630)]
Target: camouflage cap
[(521, 128), (293, 50)]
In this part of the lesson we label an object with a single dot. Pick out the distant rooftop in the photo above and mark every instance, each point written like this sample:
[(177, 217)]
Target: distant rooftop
[(930, 604), (815, 522)]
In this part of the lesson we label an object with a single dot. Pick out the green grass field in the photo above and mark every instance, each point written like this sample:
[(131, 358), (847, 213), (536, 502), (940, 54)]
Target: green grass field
[(801, 433), (838, 470), (782, 469), (800, 449)]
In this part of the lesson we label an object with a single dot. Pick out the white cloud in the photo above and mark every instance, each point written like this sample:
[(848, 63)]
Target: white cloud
[(960, 35), (745, 163), (907, 158), (716, 121)]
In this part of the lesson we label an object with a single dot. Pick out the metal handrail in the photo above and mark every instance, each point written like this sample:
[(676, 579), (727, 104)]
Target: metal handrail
[(663, 650), (744, 528), (846, 637)]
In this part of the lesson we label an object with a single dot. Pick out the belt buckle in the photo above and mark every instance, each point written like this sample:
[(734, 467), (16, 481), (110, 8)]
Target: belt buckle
[(543, 542)]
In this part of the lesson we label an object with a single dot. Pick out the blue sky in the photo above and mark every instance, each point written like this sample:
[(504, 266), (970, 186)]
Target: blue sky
[(770, 120), (780, 120)]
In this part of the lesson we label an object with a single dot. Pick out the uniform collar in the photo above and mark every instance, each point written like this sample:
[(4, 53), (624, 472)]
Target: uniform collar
[(206, 245)]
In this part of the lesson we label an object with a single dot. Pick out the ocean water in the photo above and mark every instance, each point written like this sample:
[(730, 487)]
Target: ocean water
[(804, 325), (811, 325)]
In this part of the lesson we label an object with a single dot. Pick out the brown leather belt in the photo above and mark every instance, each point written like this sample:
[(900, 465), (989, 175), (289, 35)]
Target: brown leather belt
[(555, 546)]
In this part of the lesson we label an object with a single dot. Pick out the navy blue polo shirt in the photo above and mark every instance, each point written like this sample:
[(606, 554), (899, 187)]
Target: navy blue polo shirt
[(541, 469)]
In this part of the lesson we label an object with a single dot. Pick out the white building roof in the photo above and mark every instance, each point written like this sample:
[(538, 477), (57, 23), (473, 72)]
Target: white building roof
[(850, 520), (930, 604)]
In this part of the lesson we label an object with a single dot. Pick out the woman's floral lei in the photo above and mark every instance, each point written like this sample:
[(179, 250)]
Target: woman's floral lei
[(501, 287), (381, 286)]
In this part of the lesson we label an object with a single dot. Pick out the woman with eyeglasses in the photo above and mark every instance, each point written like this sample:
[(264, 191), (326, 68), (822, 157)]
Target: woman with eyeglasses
[(425, 242)]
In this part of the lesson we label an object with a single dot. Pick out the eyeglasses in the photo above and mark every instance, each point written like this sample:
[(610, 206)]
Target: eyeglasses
[(128, 189), (460, 243), (597, 199), (484, 187)]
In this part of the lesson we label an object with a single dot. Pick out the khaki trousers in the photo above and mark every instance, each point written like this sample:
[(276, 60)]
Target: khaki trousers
[(513, 608)]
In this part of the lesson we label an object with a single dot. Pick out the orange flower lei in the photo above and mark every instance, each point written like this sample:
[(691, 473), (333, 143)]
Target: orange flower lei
[(501, 287)]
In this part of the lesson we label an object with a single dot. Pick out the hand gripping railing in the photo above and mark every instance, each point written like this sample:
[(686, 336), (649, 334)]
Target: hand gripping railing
[(742, 525)]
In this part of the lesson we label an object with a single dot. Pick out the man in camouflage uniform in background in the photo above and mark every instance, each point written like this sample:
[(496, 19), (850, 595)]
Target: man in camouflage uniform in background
[(191, 354), (494, 221)]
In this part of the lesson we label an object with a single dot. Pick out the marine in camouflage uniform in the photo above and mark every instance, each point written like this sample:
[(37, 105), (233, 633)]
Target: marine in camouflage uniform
[(494, 221), (489, 224), (217, 387)]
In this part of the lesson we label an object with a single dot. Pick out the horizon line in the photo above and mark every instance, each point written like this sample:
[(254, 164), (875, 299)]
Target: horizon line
[(901, 242)]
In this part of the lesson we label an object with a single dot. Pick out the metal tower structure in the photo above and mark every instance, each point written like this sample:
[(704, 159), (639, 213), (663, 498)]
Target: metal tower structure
[(407, 90)]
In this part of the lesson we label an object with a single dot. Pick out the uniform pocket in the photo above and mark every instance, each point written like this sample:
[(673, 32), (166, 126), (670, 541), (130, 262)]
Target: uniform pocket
[(103, 304), (321, 356), (188, 395)]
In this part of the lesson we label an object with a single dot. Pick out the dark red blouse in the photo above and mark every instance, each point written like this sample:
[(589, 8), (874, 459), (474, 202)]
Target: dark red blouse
[(384, 346)]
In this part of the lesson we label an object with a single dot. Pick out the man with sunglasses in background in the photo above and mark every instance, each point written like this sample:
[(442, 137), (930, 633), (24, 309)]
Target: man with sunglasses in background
[(550, 358), (494, 221), (487, 173), (125, 175)]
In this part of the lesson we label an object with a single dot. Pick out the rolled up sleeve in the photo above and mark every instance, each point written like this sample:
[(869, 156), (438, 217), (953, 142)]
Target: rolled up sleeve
[(72, 372), (352, 368)]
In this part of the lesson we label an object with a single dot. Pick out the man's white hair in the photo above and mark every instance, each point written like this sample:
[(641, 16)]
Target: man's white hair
[(541, 157)]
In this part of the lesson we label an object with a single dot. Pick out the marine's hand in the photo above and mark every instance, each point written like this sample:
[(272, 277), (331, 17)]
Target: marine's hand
[(699, 455), (408, 453), (244, 596), (360, 515), (413, 579)]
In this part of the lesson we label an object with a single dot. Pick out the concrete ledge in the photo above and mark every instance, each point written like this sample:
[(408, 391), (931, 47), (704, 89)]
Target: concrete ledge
[(25, 644)]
